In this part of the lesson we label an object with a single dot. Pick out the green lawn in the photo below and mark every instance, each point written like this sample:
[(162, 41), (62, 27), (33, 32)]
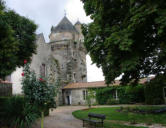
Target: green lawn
[(112, 114), (114, 125)]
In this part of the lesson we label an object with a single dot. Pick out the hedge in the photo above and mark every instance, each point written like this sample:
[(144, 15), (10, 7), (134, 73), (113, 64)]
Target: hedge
[(154, 90), (126, 94), (14, 111)]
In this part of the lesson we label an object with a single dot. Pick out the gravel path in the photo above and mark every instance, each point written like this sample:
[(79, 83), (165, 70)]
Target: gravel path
[(61, 118)]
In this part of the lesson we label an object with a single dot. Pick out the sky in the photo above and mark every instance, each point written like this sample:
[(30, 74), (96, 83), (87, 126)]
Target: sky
[(47, 13)]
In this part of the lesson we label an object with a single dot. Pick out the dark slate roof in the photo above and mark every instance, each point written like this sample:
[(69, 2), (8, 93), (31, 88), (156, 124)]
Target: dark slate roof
[(78, 22), (64, 25)]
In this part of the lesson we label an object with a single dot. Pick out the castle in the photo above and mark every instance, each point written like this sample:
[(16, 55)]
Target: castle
[(64, 57)]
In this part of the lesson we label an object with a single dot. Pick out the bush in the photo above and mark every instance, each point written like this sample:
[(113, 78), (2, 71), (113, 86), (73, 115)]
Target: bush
[(40, 91), (126, 94), (17, 113), (103, 94), (136, 93), (3, 100), (112, 101), (154, 90)]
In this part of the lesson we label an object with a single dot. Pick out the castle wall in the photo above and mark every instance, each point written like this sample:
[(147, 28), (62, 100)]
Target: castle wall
[(41, 56), (61, 36), (76, 96), (63, 57)]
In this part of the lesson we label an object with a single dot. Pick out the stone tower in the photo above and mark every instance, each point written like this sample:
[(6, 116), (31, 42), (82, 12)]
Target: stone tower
[(64, 57), (67, 48)]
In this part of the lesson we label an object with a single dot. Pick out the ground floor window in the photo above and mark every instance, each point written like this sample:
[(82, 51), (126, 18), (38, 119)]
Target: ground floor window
[(115, 94), (164, 91), (85, 93)]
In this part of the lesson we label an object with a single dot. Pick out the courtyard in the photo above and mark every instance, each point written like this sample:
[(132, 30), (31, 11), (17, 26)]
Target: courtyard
[(62, 118), (82, 63)]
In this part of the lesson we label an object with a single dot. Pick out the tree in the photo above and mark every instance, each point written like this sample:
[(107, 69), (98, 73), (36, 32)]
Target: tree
[(90, 97), (16, 40), (126, 37)]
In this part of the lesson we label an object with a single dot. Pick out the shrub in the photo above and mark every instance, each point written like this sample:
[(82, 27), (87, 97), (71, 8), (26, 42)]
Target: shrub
[(3, 100), (154, 90), (136, 93), (112, 101), (126, 94), (38, 91), (17, 113), (90, 97), (103, 94)]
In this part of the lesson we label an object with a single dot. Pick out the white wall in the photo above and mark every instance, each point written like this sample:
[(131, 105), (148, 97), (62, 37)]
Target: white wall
[(16, 81)]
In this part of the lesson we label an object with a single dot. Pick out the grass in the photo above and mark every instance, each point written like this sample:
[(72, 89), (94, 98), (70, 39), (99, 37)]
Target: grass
[(112, 114), (114, 125), (107, 124)]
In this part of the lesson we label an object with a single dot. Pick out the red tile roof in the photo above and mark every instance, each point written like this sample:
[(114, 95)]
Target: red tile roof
[(97, 84), (4, 82)]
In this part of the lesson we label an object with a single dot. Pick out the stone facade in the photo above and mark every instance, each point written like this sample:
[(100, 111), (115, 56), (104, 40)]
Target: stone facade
[(64, 57), (76, 96)]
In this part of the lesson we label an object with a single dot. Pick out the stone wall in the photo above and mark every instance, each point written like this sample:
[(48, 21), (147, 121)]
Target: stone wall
[(76, 97)]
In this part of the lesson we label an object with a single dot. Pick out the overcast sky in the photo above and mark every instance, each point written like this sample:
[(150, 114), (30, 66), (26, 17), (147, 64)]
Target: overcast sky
[(47, 13)]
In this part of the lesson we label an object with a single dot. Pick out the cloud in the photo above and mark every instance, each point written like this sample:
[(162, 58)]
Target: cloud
[(94, 73), (44, 13), (76, 12)]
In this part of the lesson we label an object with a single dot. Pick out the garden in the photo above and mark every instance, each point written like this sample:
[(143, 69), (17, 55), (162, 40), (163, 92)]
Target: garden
[(126, 117), (22, 111)]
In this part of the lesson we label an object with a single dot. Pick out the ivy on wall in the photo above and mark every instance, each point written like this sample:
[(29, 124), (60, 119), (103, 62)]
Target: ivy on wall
[(126, 94)]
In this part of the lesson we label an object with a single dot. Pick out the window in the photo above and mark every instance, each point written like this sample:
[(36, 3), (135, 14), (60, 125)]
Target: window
[(74, 76), (43, 70), (85, 93), (68, 77), (115, 94), (164, 91)]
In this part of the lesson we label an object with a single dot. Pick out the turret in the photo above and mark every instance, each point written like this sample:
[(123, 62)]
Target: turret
[(79, 30), (63, 31)]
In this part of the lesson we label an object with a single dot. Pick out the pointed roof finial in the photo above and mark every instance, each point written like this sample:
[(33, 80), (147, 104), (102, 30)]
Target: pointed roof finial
[(78, 22), (65, 12)]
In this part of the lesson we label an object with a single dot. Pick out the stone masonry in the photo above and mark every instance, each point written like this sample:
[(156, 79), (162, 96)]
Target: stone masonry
[(64, 57)]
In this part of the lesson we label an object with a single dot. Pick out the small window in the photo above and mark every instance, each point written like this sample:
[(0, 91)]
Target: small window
[(85, 93), (43, 70), (164, 91), (68, 77), (74, 76)]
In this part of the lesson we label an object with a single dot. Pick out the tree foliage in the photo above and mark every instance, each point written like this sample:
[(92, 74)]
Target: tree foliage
[(126, 37), (17, 36)]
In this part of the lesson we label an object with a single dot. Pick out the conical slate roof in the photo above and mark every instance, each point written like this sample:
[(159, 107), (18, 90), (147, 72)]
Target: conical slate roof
[(64, 26), (78, 22)]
